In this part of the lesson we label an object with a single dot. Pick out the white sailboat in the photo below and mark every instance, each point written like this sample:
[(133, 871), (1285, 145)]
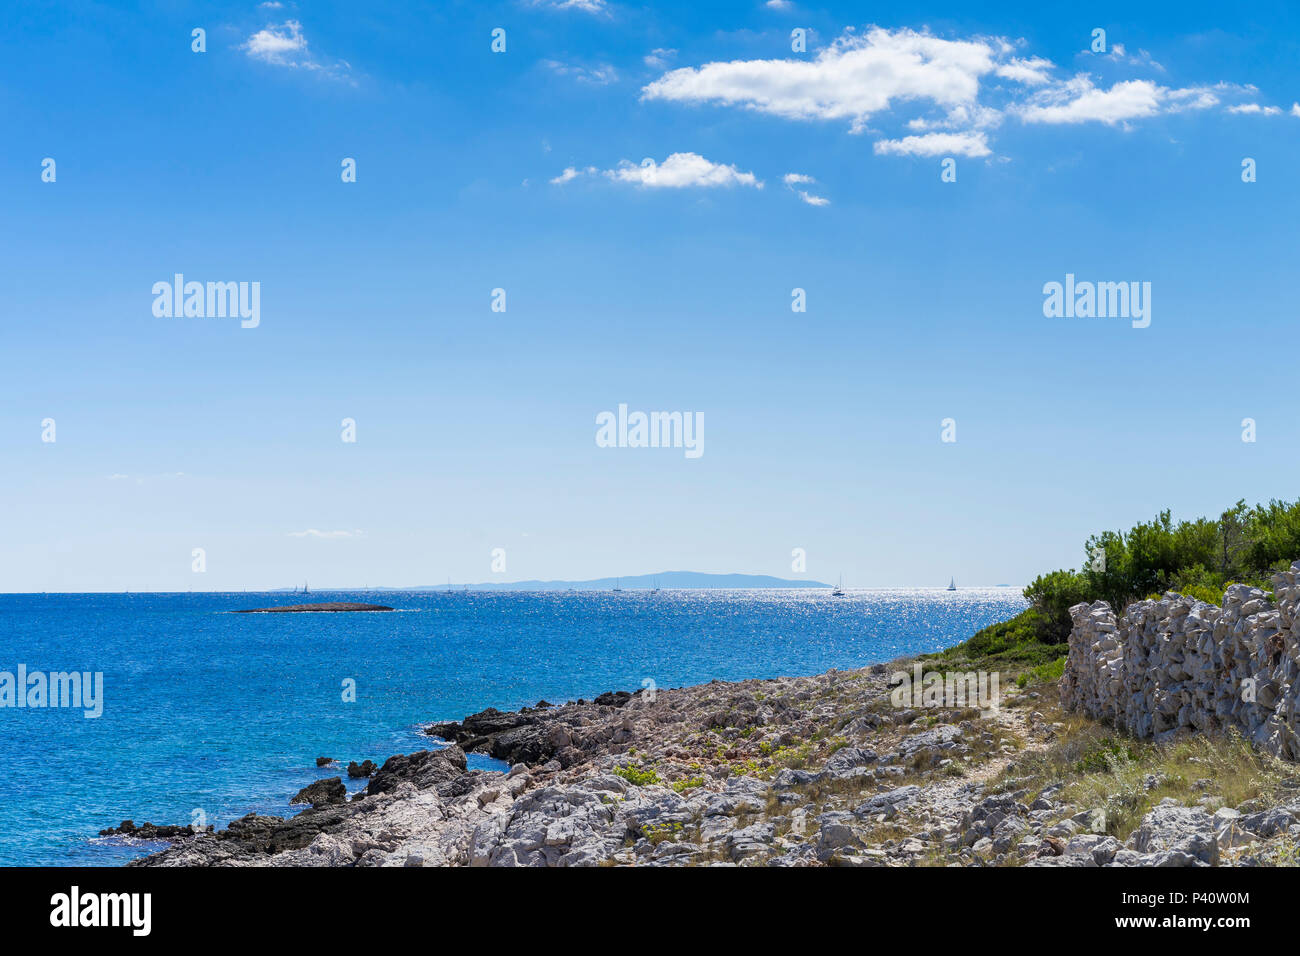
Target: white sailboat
[(952, 584), (839, 588), (617, 582)]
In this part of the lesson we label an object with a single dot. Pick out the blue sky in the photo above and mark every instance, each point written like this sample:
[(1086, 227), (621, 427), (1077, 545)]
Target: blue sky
[(665, 287)]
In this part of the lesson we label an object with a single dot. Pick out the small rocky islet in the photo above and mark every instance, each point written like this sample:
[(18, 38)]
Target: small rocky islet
[(327, 606), (803, 771)]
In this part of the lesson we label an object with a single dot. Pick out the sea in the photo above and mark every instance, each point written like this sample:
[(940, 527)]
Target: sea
[(208, 714)]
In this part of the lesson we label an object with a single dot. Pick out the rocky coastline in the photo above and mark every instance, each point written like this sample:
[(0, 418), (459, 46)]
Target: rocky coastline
[(806, 771)]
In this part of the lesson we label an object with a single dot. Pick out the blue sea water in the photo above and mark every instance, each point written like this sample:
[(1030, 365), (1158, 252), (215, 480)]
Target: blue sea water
[(225, 713)]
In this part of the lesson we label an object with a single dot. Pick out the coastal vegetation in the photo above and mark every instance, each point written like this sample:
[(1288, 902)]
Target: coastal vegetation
[(1200, 558)]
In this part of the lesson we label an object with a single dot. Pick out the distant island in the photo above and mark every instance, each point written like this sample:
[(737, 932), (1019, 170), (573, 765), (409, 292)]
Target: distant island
[(327, 606), (666, 580)]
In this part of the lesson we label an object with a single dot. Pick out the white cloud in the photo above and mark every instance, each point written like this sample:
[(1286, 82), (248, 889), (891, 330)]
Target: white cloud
[(586, 6), (794, 180), (313, 533), (854, 78), (1078, 101), (678, 171), (658, 58), (782, 5), (946, 91), (1256, 108), (599, 75), (1031, 72), (681, 170), (285, 45), (1295, 109), (277, 44), (972, 144), (571, 173)]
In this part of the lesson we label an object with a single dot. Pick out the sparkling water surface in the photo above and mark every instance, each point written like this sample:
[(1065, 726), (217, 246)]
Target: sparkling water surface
[(225, 713)]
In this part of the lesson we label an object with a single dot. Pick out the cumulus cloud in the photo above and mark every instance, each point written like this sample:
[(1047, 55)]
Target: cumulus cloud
[(285, 45), (278, 44), (678, 171), (795, 180), (1256, 108), (852, 79), (949, 92), (1031, 72), (571, 173), (1080, 101), (972, 144)]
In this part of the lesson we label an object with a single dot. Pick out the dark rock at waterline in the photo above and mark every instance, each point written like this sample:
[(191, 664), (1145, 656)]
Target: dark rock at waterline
[(366, 768), (255, 836), (533, 735), (327, 606), (324, 761), (322, 793), (443, 770), (150, 831)]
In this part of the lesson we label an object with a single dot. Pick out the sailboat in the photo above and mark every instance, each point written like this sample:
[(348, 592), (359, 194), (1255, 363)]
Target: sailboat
[(952, 584), (839, 588), (655, 589), (617, 581)]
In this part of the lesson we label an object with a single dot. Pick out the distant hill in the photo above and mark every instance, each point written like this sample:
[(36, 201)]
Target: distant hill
[(666, 580)]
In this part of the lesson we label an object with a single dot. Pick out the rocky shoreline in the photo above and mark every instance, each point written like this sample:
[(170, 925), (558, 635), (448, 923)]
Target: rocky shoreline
[(805, 771)]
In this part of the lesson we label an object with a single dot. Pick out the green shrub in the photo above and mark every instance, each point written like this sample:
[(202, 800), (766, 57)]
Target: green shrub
[(1052, 595), (637, 776), (1043, 673)]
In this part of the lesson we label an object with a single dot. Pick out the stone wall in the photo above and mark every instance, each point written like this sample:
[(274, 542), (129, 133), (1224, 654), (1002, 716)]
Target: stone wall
[(1179, 663)]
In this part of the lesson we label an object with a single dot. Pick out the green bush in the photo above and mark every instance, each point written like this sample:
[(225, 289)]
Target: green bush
[(1052, 595), (1200, 557), (1202, 593), (637, 776), (1017, 641), (1043, 673)]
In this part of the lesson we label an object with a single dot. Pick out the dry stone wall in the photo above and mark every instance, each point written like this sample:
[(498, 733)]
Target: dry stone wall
[(1181, 664)]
